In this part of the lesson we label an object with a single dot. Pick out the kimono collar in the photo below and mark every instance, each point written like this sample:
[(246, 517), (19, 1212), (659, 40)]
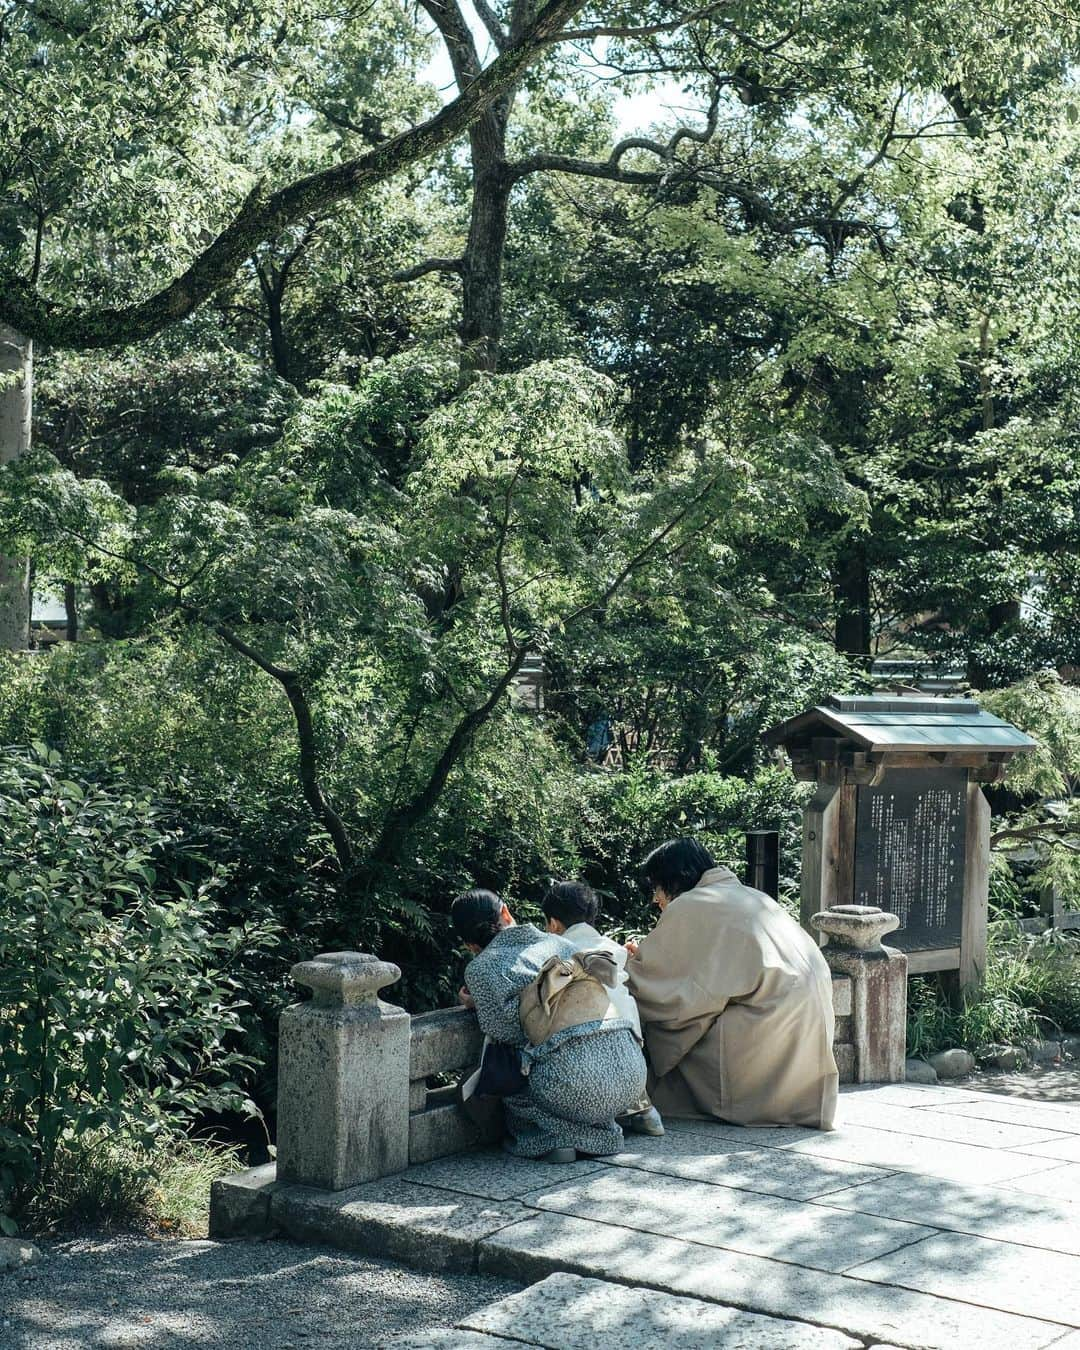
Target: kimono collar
[(716, 876)]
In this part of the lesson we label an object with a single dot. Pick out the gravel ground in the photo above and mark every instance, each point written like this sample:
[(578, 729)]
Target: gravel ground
[(1042, 1083), (114, 1293)]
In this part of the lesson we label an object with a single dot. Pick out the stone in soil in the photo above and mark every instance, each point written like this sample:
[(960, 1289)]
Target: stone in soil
[(952, 1063), (1007, 1058), (918, 1071), (16, 1252)]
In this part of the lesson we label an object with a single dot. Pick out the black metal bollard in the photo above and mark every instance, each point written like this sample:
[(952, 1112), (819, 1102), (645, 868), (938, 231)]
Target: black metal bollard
[(763, 861)]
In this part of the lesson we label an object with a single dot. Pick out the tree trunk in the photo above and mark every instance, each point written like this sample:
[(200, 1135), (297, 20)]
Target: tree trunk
[(481, 302), (851, 589), (279, 343), (71, 611), (16, 404)]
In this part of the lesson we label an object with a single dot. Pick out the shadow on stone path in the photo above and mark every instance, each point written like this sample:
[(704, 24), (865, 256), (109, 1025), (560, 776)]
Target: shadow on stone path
[(115, 1293), (1038, 1084)]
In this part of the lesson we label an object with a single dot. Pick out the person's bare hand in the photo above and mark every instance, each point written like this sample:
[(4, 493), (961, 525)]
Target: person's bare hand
[(465, 998), (632, 946)]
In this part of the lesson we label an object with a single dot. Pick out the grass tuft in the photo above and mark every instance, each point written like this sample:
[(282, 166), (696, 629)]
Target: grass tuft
[(112, 1184)]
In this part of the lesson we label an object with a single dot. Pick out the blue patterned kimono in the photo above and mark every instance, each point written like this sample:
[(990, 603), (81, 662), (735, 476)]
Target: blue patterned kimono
[(580, 1079)]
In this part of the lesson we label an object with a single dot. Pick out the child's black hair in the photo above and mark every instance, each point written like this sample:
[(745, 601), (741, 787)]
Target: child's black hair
[(570, 902)]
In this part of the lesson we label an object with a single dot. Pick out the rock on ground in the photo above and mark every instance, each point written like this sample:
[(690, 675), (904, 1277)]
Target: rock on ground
[(121, 1293), (952, 1063), (16, 1253), (918, 1071)]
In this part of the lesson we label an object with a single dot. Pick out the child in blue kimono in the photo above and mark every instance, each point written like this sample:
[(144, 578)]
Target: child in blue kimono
[(582, 1077)]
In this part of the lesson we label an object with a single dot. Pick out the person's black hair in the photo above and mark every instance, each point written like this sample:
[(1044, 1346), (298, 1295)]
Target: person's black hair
[(570, 902), (676, 866), (477, 916)]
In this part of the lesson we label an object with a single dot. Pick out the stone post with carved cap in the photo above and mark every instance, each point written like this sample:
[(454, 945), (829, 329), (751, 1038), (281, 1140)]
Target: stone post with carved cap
[(343, 1075), (878, 987)]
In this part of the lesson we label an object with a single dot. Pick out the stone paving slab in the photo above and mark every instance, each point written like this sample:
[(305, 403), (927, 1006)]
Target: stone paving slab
[(1028, 1281), (742, 1136), (721, 1163), (957, 1129), (494, 1174), (536, 1247), (900, 1152), (1059, 1182), (758, 1225), (1053, 1115), (1065, 1148), (446, 1338), (567, 1312), (392, 1218), (923, 1205), (986, 1211), (904, 1094)]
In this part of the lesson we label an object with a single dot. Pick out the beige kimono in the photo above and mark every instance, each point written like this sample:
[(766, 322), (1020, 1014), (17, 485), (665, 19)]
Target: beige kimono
[(736, 1001)]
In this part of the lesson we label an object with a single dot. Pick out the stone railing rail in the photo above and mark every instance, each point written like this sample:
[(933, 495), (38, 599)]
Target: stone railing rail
[(356, 1100)]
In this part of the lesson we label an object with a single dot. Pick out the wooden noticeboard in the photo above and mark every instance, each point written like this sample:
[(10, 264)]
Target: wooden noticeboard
[(910, 835), (898, 819), (919, 850)]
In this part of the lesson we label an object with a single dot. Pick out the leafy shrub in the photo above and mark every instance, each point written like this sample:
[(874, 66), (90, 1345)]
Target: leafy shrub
[(1032, 988), (118, 1002), (625, 815)]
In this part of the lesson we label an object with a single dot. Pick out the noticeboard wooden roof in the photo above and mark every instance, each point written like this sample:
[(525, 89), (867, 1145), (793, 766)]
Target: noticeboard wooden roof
[(882, 724)]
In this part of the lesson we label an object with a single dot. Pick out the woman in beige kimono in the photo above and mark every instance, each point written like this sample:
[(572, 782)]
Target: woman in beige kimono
[(735, 999)]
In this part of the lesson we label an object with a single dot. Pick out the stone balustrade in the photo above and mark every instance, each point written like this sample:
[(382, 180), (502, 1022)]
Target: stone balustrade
[(365, 1090)]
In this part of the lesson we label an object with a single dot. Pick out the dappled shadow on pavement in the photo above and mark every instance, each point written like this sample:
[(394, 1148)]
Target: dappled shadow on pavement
[(1039, 1084), (121, 1293)]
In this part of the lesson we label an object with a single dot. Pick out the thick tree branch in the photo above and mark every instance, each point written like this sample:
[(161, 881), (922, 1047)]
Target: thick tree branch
[(264, 214), (612, 166), (457, 36), (305, 736), (681, 21), (1054, 836), (829, 229), (630, 31), (401, 821), (454, 265), (490, 20)]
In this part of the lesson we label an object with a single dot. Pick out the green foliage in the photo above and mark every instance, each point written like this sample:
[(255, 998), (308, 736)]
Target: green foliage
[(818, 366), (1043, 786), (1031, 990), (116, 994), (1049, 711), (625, 815)]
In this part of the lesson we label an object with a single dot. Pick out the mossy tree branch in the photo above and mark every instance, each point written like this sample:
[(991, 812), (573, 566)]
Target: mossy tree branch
[(264, 214)]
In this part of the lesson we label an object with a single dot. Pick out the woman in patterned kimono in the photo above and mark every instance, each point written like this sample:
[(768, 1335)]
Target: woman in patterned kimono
[(582, 1077)]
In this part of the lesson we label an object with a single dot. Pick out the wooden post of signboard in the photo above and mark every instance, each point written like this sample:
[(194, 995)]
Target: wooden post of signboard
[(828, 850), (976, 889)]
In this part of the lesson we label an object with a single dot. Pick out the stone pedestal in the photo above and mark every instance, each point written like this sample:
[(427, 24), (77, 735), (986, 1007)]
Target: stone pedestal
[(343, 1076), (878, 987)]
